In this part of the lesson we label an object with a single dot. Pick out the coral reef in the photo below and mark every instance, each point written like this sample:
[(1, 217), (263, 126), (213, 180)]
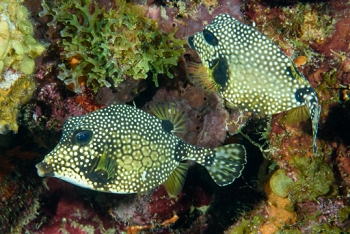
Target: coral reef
[(208, 120), (102, 48), (284, 188), (15, 90), (19, 188), (315, 187), (18, 49), (312, 25), (188, 17)]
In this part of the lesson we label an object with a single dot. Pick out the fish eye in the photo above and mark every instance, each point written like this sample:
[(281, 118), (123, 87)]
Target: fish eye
[(82, 137), (210, 38)]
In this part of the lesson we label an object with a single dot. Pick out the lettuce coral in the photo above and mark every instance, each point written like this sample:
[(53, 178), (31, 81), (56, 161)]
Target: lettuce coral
[(103, 48), (18, 49)]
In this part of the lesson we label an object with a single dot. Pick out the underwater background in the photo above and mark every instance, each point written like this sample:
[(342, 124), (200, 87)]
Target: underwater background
[(61, 59)]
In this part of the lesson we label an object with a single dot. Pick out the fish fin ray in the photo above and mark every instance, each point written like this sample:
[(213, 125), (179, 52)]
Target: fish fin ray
[(228, 164), (314, 120), (202, 76), (169, 112), (311, 101), (297, 115), (176, 179), (106, 164)]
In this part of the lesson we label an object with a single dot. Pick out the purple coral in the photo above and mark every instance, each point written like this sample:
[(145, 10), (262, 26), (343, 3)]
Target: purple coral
[(191, 21), (205, 112)]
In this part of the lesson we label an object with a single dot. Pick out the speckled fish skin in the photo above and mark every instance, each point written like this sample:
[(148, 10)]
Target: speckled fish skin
[(251, 72), (122, 149)]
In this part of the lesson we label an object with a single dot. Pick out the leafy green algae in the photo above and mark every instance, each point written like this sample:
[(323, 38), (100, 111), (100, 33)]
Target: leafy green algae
[(105, 47)]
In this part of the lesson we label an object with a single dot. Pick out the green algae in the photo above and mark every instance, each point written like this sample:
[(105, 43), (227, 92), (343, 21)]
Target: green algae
[(280, 183), (344, 214), (109, 46), (314, 178), (325, 228), (289, 230), (248, 226)]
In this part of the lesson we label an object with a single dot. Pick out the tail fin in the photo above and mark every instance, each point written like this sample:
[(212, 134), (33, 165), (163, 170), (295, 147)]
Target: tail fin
[(228, 163)]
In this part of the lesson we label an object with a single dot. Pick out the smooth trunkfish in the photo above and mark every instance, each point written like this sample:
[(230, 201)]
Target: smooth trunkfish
[(251, 72), (122, 149)]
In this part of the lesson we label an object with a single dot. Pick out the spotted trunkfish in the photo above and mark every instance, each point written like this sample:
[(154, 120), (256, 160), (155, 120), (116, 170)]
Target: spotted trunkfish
[(122, 149), (251, 72)]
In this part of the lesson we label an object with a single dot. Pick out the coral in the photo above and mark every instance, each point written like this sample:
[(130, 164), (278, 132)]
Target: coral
[(280, 183), (300, 61), (291, 191), (328, 215), (207, 118), (86, 100), (12, 97), (68, 213), (125, 92), (279, 212), (334, 211), (102, 48), (191, 16), (67, 208), (343, 164), (18, 49), (61, 109), (312, 24), (18, 191), (312, 178)]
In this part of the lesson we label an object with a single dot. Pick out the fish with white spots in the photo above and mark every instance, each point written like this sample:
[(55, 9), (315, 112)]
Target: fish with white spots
[(122, 149), (251, 72)]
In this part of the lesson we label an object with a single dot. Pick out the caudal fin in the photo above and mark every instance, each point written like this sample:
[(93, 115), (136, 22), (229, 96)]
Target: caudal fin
[(228, 164)]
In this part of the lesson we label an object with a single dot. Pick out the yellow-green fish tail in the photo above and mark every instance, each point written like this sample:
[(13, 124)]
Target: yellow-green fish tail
[(228, 164), (224, 163)]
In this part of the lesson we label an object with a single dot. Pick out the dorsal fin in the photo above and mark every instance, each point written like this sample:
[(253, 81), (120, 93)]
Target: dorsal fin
[(173, 121)]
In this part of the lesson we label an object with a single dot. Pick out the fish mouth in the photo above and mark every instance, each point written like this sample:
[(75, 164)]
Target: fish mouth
[(44, 169)]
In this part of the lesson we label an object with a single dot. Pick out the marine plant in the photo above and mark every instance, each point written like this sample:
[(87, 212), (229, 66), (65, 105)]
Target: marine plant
[(18, 49), (103, 47)]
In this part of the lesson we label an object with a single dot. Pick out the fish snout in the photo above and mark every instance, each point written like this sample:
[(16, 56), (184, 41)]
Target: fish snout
[(44, 169)]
